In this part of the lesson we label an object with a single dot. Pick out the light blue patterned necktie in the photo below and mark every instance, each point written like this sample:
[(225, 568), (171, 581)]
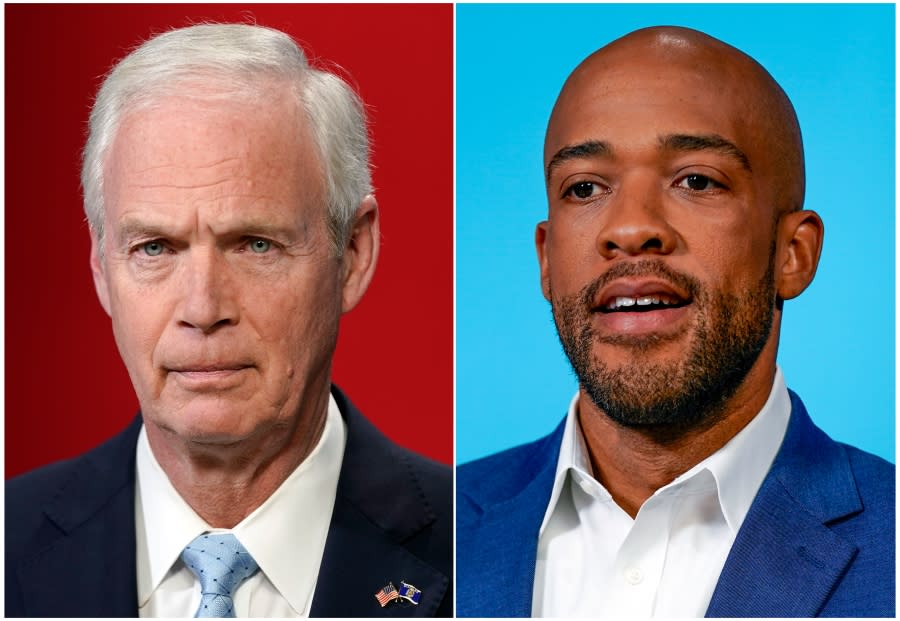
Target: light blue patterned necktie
[(221, 564)]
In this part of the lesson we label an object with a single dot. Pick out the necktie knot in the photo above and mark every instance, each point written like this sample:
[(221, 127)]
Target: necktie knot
[(221, 564)]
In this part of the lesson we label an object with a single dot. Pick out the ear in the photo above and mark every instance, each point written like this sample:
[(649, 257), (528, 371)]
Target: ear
[(540, 244), (361, 253), (98, 268), (800, 235)]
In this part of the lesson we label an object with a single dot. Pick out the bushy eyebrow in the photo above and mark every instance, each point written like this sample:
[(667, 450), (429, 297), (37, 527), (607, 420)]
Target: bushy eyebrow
[(705, 142), (592, 148)]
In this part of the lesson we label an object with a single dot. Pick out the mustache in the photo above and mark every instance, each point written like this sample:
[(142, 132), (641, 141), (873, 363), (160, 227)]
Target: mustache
[(646, 268)]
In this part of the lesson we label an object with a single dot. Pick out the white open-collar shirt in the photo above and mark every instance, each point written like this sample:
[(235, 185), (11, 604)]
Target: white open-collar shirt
[(594, 560), (285, 535)]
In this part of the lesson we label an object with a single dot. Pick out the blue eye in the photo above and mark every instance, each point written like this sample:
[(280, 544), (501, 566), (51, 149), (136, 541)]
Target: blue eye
[(153, 248), (260, 245)]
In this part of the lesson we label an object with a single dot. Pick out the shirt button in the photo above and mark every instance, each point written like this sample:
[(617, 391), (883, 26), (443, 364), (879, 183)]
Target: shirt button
[(633, 575)]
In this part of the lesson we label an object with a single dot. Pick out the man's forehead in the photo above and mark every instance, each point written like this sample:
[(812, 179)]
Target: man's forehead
[(183, 153), (669, 80), (639, 108), (212, 139), (693, 82)]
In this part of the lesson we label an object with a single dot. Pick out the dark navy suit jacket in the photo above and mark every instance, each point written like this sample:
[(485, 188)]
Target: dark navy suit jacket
[(818, 539), (70, 540)]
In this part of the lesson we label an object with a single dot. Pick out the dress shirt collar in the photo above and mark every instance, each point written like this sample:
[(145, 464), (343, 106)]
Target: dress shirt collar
[(285, 535), (738, 468)]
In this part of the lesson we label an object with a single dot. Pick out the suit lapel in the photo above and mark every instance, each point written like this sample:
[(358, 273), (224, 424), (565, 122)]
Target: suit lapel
[(785, 561), (496, 573), (359, 560), (380, 506), (503, 586), (90, 566)]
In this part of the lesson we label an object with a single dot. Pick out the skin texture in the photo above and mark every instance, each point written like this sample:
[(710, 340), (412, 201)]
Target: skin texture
[(674, 168), (224, 292)]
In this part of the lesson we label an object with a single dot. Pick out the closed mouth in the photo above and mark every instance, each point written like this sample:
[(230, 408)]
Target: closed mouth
[(207, 370)]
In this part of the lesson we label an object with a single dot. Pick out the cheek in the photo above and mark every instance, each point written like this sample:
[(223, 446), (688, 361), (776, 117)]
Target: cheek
[(571, 256), (735, 263), (296, 321), (139, 319)]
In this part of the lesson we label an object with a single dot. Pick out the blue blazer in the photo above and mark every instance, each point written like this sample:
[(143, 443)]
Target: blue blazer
[(70, 540), (818, 539)]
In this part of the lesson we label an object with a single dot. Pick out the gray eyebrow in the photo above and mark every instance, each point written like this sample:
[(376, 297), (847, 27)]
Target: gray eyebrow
[(592, 148), (705, 142)]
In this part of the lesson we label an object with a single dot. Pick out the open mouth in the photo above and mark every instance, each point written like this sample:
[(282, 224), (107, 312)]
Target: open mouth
[(641, 303), (639, 307)]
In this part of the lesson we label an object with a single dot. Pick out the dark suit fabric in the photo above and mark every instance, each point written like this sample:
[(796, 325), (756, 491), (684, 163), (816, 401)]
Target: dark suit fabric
[(70, 534), (818, 539)]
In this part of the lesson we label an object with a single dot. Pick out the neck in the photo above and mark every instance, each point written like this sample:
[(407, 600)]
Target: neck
[(632, 463), (224, 483)]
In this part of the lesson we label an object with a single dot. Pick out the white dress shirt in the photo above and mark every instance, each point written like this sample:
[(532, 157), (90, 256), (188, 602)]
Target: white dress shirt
[(594, 560), (285, 535)]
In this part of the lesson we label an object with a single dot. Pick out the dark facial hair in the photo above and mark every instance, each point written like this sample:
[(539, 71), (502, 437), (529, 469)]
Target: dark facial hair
[(669, 399)]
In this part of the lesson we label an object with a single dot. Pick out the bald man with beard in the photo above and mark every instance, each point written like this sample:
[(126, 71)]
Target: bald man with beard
[(686, 479)]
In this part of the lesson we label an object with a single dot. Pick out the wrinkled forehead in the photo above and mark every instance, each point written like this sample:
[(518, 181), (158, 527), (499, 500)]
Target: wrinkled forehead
[(183, 147)]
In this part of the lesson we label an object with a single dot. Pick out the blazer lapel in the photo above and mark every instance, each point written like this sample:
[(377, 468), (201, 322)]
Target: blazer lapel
[(785, 561), (496, 577), (379, 510), (89, 568), (359, 560)]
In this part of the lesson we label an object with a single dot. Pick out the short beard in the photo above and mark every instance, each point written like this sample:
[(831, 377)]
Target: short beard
[(669, 399)]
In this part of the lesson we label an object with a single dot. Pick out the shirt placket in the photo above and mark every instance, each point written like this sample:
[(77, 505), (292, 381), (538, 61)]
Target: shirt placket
[(638, 567)]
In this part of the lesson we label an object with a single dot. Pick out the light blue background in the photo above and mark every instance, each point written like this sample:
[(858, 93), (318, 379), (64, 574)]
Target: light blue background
[(836, 63)]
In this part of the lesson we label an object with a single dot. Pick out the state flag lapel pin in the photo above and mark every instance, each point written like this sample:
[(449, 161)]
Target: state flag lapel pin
[(410, 593), (387, 594)]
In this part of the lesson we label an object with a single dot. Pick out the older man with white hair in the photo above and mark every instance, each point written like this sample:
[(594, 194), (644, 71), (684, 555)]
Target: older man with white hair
[(232, 220)]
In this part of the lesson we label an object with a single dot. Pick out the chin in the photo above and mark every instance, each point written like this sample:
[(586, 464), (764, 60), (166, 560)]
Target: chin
[(208, 423), (627, 352)]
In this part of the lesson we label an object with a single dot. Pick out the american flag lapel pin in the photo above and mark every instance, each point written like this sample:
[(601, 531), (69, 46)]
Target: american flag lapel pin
[(387, 594)]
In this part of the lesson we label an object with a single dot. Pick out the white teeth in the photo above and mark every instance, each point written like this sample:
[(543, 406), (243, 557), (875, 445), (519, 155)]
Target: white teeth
[(646, 300)]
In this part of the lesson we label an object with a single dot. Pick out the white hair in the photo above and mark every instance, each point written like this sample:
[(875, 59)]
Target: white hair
[(238, 56)]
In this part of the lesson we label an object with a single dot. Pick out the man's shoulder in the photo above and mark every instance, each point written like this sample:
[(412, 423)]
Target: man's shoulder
[(813, 455), (434, 478), (500, 501), (377, 467), (366, 439), (822, 500), (874, 472), (27, 496), (29, 493), (876, 483), (504, 475), (55, 515)]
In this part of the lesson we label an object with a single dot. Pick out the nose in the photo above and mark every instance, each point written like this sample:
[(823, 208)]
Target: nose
[(636, 223), (208, 300)]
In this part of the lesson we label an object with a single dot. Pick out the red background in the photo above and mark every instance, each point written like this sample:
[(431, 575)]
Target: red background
[(66, 387)]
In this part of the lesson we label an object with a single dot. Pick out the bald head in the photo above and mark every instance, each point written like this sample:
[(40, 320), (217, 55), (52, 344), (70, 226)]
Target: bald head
[(695, 85)]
